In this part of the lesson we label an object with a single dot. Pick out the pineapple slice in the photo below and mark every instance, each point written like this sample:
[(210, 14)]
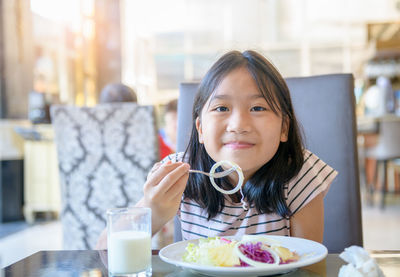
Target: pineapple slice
[(285, 253)]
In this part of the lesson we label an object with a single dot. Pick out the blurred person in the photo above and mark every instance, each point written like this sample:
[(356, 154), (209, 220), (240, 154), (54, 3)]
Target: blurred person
[(117, 92), (167, 135)]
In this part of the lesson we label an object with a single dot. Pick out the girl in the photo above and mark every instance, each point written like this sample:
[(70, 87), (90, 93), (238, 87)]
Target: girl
[(242, 113)]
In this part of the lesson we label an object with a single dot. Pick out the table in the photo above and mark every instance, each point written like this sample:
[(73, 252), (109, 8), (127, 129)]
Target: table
[(91, 263), (379, 145)]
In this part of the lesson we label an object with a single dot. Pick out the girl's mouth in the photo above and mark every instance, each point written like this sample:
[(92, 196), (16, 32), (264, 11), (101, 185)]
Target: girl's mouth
[(238, 145)]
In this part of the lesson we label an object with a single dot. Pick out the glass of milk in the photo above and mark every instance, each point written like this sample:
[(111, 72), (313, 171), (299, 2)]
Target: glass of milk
[(129, 241)]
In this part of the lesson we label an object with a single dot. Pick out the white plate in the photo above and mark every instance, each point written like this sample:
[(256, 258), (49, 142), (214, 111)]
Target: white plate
[(309, 251)]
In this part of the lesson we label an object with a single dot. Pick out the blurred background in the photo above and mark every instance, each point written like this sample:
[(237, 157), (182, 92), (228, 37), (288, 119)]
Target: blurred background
[(70, 49), (66, 51)]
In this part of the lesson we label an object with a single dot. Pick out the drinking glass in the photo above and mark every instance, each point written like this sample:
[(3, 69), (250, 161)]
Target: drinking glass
[(129, 241)]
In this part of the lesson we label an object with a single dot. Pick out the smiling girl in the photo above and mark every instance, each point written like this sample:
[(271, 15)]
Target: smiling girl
[(242, 113)]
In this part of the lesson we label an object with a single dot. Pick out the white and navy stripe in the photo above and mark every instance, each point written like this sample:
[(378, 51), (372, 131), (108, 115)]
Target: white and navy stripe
[(314, 178)]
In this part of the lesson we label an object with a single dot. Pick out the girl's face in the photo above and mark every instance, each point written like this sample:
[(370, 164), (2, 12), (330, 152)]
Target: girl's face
[(237, 124)]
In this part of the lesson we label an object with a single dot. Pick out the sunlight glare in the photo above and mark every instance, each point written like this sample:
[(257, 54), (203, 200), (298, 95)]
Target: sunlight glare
[(63, 11)]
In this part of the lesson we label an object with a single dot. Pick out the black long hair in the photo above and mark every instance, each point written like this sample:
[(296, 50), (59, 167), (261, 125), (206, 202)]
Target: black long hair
[(265, 189)]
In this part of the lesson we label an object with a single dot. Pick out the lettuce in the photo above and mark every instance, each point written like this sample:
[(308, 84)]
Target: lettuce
[(212, 252)]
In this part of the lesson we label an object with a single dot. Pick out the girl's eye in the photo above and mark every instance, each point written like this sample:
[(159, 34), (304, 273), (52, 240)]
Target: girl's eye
[(258, 109), (221, 109)]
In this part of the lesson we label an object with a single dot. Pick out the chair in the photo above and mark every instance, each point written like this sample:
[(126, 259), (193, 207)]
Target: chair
[(325, 107), (104, 154), (386, 150)]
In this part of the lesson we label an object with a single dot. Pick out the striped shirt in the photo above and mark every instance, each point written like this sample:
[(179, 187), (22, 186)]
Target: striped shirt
[(314, 178)]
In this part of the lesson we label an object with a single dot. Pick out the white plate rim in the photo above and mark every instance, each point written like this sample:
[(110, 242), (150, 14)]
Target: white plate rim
[(322, 252)]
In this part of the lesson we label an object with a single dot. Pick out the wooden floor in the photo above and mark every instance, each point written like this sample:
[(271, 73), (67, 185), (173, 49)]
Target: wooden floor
[(380, 227)]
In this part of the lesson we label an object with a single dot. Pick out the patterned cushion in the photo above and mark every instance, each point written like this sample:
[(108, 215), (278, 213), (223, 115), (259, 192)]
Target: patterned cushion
[(104, 155)]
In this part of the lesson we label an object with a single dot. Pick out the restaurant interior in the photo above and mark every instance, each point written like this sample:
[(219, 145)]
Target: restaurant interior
[(56, 57)]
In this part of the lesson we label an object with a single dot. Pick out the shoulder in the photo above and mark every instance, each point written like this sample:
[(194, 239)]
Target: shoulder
[(176, 157), (314, 178)]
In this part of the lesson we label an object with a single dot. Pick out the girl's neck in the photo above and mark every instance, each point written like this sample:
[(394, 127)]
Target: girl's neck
[(234, 178)]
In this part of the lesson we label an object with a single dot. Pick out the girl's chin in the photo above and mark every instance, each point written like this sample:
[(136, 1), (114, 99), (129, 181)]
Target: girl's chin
[(240, 158), (244, 166)]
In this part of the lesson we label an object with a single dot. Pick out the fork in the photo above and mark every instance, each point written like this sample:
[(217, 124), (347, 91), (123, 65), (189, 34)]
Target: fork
[(216, 174)]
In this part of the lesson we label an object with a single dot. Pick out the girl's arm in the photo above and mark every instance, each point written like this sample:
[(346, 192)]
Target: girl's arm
[(162, 193), (308, 222)]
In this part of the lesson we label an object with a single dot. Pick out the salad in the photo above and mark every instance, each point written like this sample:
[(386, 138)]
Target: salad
[(251, 250)]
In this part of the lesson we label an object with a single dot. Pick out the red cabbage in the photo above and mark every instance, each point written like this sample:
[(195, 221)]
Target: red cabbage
[(256, 253)]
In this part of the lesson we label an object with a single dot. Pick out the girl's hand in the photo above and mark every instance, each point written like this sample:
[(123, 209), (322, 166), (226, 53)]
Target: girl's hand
[(163, 191)]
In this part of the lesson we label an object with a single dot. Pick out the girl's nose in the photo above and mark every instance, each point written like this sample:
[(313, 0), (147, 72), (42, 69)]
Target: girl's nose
[(238, 122)]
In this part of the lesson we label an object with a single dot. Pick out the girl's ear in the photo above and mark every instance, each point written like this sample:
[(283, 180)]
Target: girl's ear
[(199, 130), (285, 129)]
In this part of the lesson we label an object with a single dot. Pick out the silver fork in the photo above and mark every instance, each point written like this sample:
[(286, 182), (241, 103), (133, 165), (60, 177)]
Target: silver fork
[(216, 174)]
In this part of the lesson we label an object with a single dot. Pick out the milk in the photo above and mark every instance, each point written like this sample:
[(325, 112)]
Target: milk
[(129, 252)]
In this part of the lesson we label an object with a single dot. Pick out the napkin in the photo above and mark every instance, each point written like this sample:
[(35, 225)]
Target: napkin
[(360, 264)]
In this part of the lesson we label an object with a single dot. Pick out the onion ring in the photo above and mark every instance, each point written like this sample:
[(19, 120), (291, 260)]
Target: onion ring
[(254, 263), (237, 169)]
